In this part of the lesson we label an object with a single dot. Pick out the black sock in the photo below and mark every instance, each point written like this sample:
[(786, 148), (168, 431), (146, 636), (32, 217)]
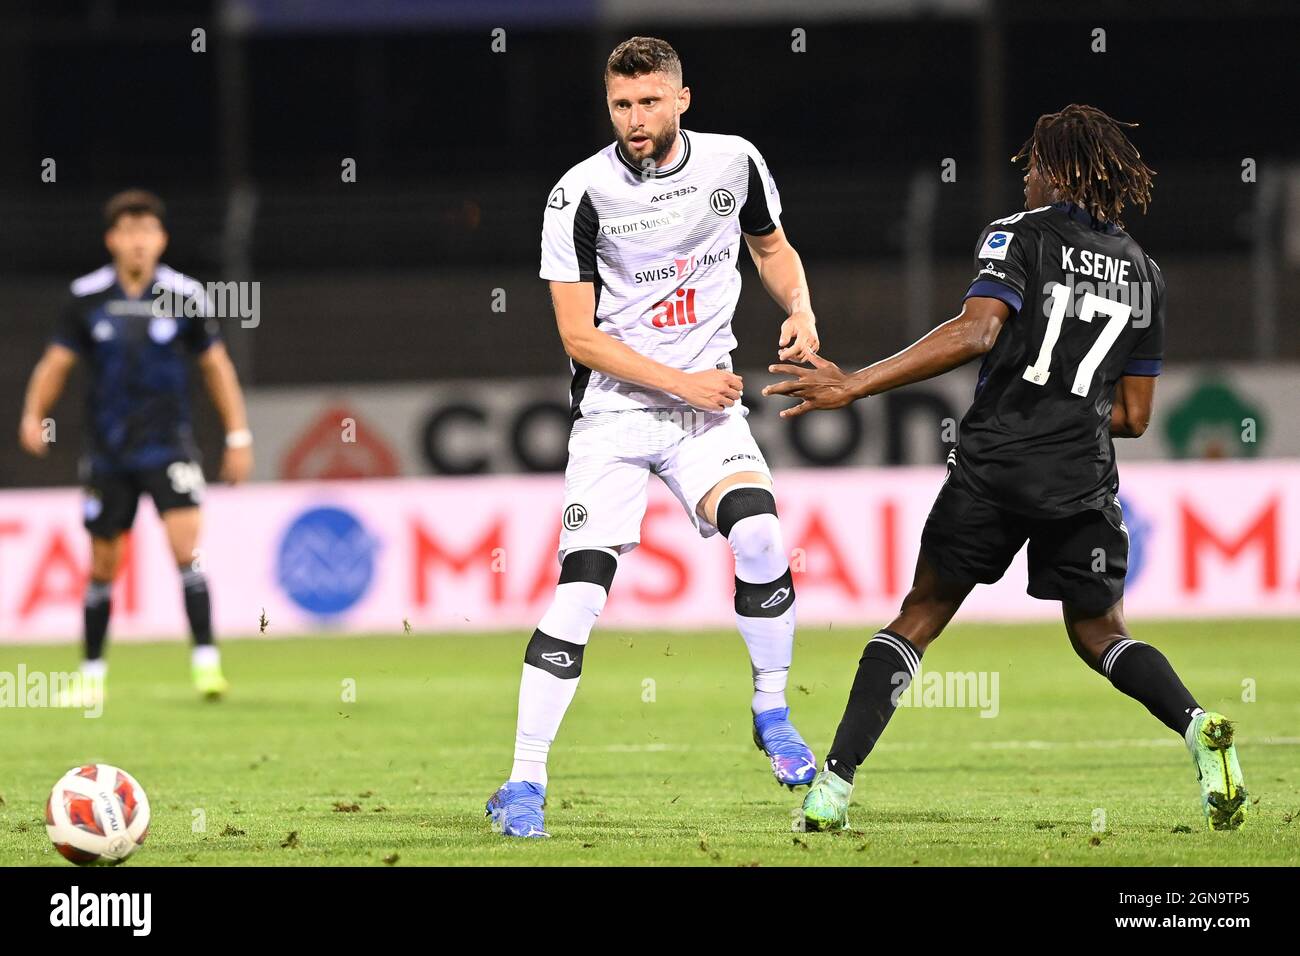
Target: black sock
[(1142, 672), (888, 665), (96, 605), (198, 606)]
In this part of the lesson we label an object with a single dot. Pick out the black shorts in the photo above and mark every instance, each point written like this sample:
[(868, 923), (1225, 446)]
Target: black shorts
[(1080, 559), (112, 496)]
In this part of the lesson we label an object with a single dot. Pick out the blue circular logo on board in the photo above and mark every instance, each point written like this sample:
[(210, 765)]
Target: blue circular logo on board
[(326, 561), (1138, 530)]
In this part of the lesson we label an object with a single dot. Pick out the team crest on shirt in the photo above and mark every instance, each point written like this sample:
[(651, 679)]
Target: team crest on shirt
[(722, 202), (162, 329), (995, 245), (575, 516)]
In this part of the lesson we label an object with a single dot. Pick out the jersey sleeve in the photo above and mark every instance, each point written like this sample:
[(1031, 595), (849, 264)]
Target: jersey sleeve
[(761, 213), (200, 329), (569, 226), (1147, 357), (71, 331), (1002, 264), (201, 333)]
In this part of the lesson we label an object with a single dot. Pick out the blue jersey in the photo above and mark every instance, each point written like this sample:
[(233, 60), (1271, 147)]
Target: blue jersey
[(137, 399)]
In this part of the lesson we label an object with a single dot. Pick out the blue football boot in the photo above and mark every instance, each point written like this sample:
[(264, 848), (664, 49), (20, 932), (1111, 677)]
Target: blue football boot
[(792, 760), (516, 809)]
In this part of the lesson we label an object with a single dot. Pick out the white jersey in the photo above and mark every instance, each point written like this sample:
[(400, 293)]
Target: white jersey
[(662, 248)]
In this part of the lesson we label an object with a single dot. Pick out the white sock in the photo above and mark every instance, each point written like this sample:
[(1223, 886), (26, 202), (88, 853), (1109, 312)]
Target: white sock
[(552, 665), (543, 700), (97, 670), (760, 560), (205, 655)]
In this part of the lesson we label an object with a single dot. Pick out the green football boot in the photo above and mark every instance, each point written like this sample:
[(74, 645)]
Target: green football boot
[(1224, 798), (826, 806), (209, 681)]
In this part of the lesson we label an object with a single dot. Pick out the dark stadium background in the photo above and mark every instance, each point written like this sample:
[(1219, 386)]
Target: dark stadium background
[(389, 279)]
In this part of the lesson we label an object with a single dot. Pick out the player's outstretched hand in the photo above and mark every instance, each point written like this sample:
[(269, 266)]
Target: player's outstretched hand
[(31, 434), (237, 465), (799, 340), (822, 386), (712, 390)]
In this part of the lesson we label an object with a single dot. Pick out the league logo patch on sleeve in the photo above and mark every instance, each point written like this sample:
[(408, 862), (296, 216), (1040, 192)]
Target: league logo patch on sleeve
[(995, 245)]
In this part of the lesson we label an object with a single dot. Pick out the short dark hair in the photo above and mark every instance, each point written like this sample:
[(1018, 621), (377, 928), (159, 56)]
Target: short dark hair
[(133, 202), (1085, 154), (638, 55)]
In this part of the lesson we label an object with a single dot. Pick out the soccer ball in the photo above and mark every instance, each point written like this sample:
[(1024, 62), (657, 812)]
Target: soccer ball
[(97, 814)]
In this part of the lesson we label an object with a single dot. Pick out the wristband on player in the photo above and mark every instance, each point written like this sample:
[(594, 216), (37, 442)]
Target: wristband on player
[(239, 438)]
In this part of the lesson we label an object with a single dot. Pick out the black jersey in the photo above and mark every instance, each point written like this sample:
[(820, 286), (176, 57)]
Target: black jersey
[(1089, 307), (137, 400)]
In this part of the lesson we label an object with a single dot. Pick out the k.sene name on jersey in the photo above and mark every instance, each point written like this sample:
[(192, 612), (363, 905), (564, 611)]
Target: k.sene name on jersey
[(661, 247)]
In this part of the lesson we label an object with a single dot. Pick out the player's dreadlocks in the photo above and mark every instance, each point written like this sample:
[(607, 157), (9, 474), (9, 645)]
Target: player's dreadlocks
[(1085, 154)]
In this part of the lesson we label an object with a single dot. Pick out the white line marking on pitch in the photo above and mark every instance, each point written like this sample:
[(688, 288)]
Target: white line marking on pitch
[(977, 745)]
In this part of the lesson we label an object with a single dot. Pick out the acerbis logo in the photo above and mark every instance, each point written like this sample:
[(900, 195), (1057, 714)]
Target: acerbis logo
[(559, 659), (779, 595), (684, 191), (742, 456), (557, 200), (722, 202), (326, 561), (575, 516)]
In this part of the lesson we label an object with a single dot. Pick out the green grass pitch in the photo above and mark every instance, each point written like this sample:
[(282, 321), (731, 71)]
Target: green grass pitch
[(655, 764)]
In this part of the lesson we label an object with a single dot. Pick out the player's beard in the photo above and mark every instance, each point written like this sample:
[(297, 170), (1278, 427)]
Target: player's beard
[(661, 145)]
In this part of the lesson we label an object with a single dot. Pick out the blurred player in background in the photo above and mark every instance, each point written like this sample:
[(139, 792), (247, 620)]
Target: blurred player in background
[(138, 437), (1068, 313), (640, 243)]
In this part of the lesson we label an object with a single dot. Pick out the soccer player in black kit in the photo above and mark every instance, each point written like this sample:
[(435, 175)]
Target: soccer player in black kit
[(1068, 314), (138, 437)]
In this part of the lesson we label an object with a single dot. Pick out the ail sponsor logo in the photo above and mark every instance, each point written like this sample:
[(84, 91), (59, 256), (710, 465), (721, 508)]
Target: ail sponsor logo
[(674, 311)]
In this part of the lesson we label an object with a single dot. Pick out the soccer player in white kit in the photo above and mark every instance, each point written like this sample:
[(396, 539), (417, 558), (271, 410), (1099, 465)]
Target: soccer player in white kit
[(641, 244)]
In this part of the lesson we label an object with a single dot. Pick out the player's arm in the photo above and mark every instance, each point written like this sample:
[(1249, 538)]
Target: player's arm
[(1131, 411), (43, 391), (575, 314), (955, 342), (223, 387), (781, 271)]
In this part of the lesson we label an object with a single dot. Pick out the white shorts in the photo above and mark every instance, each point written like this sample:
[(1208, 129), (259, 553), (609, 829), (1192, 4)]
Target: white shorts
[(613, 453)]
